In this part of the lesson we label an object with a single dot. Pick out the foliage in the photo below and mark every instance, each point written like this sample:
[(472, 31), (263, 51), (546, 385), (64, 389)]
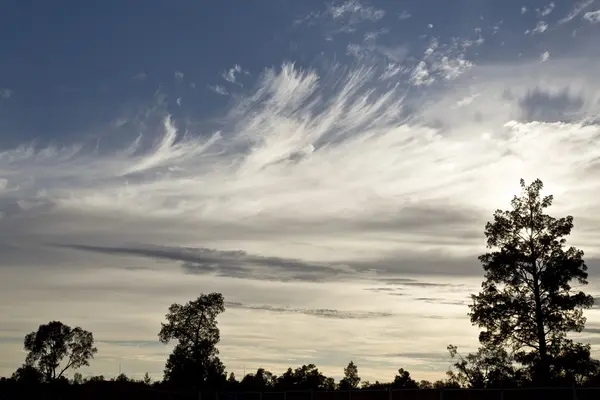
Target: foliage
[(261, 380), (194, 361), (122, 378), (526, 309), (572, 364), (404, 381), (305, 377), (55, 341), (146, 380), (489, 367), (527, 302), (95, 378), (77, 378), (423, 384), (351, 380), (27, 374)]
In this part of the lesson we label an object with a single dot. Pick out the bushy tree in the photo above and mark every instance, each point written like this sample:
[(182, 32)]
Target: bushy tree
[(122, 378), (489, 367), (404, 381), (260, 381), (54, 342), (306, 377), (527, 301), (572, 363), (351, 380), (28, 375), (77, 378), (194, 361), (423, 384)]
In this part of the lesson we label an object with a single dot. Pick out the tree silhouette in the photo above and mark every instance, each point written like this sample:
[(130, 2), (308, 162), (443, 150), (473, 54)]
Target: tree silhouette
[(194, 361), (28, 375), (527, 301), (404, 381), (489, 367), (55, 341), (351, 379), (146, 380), (231, 381), (77, 378), (424, 384), (260, 381), (306, 377), (572, 364)]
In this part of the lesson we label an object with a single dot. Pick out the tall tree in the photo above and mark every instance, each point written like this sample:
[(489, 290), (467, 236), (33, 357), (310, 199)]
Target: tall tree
[(54, 342), (351, 378), (527, 301), (194, 361)]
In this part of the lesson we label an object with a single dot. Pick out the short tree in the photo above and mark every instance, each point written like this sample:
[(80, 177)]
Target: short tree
[(28, 375), (488, 367), (306, 377), (424, 384), (54, 342), (351, 379), (146, 380), (403, 380), (527, 301), (77, 378), (194, 360)]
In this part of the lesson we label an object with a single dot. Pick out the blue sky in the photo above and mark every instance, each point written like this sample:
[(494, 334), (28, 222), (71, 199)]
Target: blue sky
[(70, 65), (325, 165)]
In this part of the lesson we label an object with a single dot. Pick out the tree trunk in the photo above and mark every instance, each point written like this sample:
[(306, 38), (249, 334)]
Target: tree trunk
[(543, 369)]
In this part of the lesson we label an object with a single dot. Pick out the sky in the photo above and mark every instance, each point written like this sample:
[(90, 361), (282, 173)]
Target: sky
[(327, 166)]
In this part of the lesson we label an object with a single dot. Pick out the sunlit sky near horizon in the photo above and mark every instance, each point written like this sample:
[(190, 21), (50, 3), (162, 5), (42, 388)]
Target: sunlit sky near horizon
[(328, 166)]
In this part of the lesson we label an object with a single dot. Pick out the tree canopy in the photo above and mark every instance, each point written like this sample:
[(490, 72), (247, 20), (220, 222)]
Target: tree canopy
[(54, 342), (527, 301), (351, 380), (194, 361), (530, 301)]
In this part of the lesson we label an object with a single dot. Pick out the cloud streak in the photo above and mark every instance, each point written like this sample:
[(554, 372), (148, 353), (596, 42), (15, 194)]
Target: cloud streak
[(322, 313), (336, 194)]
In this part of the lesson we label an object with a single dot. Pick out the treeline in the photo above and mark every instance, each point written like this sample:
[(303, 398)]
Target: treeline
[(526, 310)]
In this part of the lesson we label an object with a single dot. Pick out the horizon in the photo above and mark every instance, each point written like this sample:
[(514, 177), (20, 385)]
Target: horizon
[(328, 167)]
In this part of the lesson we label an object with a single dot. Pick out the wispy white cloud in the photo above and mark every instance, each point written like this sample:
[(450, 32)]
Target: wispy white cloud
[(467, 100), (420, 75), (5, 93), (219, 90), (541, 27), (577, 9), (231, 74), (142, 76), (366, 177), (342, 17), (546, 10), (354, 11), (404, 15), (179, 76), (373, 35), (545, 56), (592, 16)]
